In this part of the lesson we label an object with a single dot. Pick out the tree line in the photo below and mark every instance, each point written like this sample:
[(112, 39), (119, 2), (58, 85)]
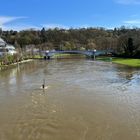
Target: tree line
[(121, 41)]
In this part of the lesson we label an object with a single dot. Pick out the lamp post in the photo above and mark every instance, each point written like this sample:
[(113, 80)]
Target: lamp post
[(94, 51), (47, 54)]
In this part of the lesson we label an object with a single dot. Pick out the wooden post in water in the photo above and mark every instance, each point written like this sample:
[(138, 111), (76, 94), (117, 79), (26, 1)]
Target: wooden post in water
[(43, 85), (44, 82)]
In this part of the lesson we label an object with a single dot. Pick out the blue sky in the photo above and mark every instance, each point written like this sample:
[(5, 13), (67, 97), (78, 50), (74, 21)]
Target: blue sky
[(24, 14)]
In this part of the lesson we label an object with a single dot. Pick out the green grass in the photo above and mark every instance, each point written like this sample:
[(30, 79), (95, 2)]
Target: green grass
[(67, 55), (127, 61), (104, 58), (124, 61)]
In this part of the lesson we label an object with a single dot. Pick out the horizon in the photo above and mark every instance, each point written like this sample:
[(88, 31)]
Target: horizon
[(50, 14), (78, 28)]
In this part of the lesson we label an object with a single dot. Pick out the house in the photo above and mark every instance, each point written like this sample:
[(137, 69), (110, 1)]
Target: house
[(10, 49), (2, 43), (6, 48)]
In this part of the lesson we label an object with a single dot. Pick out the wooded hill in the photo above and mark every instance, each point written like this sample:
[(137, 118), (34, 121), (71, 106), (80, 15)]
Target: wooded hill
[(123, 41)]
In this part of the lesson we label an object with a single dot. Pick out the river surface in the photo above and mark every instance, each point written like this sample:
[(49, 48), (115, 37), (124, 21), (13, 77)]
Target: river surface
[(85, 100)]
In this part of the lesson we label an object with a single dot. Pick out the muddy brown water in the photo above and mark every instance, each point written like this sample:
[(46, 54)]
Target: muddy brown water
[(86, 100)]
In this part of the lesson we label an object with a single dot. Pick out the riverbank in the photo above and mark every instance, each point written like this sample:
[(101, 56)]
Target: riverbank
[(124, 61), (15, 64), (10, 62), (25, 60), (68, 56)]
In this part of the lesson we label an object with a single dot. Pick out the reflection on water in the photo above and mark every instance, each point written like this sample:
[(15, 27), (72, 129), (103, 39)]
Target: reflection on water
[(85, 100)]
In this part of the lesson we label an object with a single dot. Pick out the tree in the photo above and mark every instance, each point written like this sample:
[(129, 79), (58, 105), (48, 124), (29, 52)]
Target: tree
[(25, 40), (127, 46), (43, 35), (91, 45), (130, 47), (0, 32)]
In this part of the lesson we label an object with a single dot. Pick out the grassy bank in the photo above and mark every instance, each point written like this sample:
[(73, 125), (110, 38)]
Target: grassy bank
[(124, 61), (127, 61)]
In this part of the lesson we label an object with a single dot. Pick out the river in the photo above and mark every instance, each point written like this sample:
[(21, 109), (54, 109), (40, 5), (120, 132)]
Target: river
[(85, 100)]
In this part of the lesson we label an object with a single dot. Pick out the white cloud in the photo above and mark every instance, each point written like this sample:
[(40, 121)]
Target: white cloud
[(83, 26), (20, 27), (127, 2), (52, 26), (7, 19), (134, 22)]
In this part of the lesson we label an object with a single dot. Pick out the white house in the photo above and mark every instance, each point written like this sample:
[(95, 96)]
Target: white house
[(11, 49), (2, 43), (6, 48)]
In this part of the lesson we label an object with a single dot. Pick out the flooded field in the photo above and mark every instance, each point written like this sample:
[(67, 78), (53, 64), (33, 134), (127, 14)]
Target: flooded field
[(85, 100)]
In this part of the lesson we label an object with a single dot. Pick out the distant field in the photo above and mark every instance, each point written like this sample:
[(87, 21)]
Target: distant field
[(123, 61), (129, 62)]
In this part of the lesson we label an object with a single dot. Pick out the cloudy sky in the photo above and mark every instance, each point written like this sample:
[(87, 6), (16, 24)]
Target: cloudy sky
[(24, 14)]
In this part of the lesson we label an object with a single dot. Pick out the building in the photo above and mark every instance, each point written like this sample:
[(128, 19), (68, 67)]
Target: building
[(2, 43), (10, 49), (6, 48)]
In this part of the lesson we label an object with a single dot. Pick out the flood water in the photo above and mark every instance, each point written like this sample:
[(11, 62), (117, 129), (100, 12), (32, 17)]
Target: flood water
[(85, 100)]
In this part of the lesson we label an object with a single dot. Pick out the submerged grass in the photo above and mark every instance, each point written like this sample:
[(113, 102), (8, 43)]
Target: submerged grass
[(67, 56)]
